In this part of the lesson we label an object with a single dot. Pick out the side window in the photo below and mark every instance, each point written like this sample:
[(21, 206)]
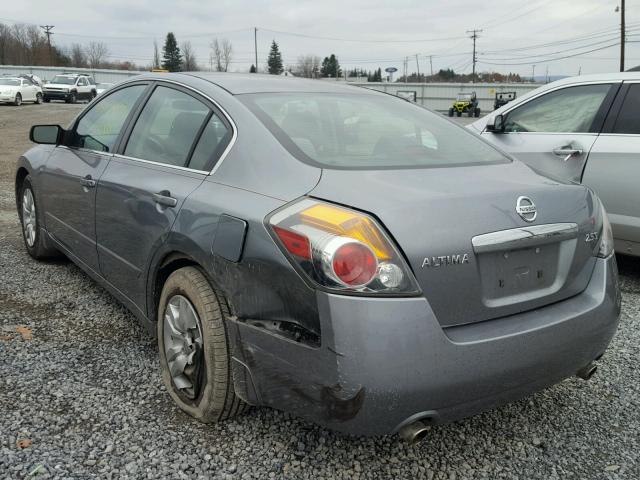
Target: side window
[(167, 127), (26, 82), (82, 82), (629, 120), (570, 110), (212, 142), (99, 128)]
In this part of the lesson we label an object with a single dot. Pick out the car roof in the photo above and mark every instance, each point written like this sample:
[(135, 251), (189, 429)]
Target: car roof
[(244, 83), (599, 77)]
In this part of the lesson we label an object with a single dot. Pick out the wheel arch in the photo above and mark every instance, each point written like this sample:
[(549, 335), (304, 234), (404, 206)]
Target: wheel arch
[(21, 174), (168, 263)]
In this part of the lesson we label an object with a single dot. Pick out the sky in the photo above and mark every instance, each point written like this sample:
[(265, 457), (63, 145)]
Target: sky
[(516, 34)]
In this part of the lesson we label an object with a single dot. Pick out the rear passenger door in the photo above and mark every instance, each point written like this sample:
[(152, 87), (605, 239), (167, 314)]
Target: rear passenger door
[(170, 148), (613, 169)]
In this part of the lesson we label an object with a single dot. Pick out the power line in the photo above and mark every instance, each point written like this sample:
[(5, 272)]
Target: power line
[(554, 59), (359, 40)]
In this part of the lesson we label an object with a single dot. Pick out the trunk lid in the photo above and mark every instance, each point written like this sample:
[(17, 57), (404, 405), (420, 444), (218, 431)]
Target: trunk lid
[(473, 255)]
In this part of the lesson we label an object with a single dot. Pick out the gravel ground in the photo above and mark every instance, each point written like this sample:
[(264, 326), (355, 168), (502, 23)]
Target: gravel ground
[(81, 396)]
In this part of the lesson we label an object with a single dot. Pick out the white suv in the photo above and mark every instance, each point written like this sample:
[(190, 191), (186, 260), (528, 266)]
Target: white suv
[(17, 90), (70, 88)]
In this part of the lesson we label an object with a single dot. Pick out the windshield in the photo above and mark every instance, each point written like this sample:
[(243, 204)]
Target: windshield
[(366, 131), (463, 96), (64, 80), (14, 82)]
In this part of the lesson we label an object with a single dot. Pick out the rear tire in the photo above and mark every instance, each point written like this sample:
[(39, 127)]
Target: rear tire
[(30, 215), (477, 112), (451, 112), (18, 101), (195, 355)]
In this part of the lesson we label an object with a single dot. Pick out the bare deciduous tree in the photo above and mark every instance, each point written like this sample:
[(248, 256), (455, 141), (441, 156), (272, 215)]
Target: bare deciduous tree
[(308, 66), (96, 53), (156, 55), (221, 54), (189, 61), (78, 57)]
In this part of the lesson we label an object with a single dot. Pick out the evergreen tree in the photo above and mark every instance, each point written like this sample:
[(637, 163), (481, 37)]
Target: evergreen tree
[(171, 56), (274, 61), (252, 69), (330, 67)]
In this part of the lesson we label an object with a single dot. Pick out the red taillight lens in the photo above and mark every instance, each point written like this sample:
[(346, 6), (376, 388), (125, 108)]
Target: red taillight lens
[(341, 249), (354, 264), (295, 243)]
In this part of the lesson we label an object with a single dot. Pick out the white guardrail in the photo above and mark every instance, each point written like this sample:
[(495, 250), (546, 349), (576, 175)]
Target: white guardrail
[(436, 96)]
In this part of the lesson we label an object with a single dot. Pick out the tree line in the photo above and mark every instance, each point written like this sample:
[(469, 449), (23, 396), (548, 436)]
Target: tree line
[(24, 44)]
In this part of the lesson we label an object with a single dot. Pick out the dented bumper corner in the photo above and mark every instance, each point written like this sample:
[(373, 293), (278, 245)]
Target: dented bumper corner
[(386, 362)]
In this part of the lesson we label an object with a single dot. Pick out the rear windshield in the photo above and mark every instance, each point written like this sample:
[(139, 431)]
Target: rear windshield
[(366, 131)]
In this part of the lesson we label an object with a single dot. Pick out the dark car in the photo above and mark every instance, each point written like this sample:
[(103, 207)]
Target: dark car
[(331, 251)]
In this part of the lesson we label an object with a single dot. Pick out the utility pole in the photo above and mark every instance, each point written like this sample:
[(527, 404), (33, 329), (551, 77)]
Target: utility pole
[(431, 64), (533, 74), (47, 31), (474, 35), (255, 45), (418, 66), (622, 34)]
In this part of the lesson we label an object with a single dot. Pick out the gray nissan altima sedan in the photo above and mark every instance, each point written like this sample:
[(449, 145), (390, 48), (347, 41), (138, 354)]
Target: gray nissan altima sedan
[(334, 252)]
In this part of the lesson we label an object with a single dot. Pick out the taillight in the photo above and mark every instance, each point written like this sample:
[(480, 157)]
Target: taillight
[(341, 249)]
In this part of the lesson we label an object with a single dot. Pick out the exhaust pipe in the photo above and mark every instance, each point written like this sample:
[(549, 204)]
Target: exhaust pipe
[(587, 372), (414, 432)]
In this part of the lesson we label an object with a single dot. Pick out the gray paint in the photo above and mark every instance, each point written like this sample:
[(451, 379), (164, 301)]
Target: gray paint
[(334, 358)]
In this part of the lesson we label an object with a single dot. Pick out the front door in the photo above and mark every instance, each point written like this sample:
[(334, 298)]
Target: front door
[(142, 190), (554, 133), (73, 170)]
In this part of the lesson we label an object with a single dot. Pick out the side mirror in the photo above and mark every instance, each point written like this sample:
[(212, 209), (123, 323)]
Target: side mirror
[(46, 134), (495, 124)]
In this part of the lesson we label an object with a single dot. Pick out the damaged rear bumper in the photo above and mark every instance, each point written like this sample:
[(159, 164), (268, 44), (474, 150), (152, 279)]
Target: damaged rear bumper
[(384, 363)]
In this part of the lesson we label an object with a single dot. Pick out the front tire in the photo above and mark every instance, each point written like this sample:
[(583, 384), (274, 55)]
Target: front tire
[(39, 98), (72, 98), (18, 101), (459, 113), (451, 112), (195, 356), (30, 216)]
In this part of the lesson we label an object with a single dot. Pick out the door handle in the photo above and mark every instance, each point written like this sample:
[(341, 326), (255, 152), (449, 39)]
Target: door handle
[(567, 151), (165, 199), (88, 182)]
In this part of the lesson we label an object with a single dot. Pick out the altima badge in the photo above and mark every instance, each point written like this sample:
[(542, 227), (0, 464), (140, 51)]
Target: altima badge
[(445, 260), (526, 209)]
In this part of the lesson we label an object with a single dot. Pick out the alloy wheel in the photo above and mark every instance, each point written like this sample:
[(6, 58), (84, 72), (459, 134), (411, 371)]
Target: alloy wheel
[(29, 220), (183, 345)]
